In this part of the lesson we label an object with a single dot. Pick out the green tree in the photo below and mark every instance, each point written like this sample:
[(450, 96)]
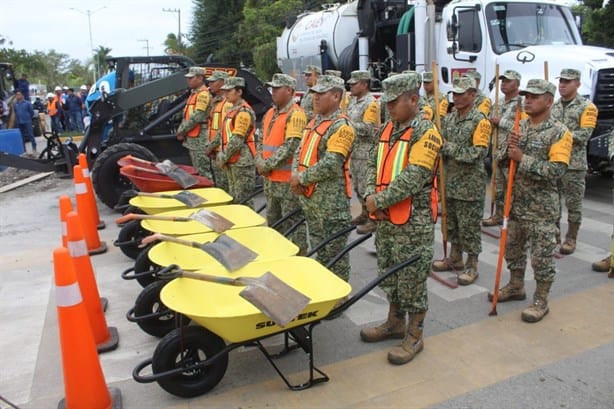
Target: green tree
[(598, 23), (100, 54), (172, 46)]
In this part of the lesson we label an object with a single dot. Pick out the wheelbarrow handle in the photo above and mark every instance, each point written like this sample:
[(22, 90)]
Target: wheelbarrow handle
[(370, 286), (330, 238)]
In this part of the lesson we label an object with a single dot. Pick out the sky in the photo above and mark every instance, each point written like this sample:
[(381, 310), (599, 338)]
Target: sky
[(117, 24)]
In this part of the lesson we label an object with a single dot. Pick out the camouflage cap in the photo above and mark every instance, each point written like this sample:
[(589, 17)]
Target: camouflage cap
[(539, 87), (233, 82), (462, 84), (569, 74), (473, 74), (335, 73), (510, 75), (313, 69), (427, 76), (194, 71), (412, 72), (396, 85), (282, 80), (359, 75), (218, 75), (326, 83)]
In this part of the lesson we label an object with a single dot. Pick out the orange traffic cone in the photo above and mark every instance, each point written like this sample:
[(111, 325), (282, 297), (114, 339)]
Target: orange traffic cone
[(90, 191), (106, 338), (65, 207), (84, 383), (94, 245)]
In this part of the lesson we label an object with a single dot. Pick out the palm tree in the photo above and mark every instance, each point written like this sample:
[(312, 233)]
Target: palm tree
[(173, 45), (100, 54)]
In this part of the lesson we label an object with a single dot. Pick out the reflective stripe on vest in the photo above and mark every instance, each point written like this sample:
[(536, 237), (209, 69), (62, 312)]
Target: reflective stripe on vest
[(227, 129), (274, 136), (309, 153), (190, 107)]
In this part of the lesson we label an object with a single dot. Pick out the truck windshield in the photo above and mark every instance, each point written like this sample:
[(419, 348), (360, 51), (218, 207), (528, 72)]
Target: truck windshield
[(513, 26)]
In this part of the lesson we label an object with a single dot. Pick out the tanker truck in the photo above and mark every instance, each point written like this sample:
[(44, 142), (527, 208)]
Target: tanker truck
[(385, 36)]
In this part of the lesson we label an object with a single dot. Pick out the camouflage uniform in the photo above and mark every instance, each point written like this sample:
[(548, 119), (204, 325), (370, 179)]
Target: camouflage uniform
[(242, 173), (196, 145), (443, 104), (219, 175), (463, 154), (280, 199), (307, 99), (364, 116), (580, 117), (328, 208), (483, 103)]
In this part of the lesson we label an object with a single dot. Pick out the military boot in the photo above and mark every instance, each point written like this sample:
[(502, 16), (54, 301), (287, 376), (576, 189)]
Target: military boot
[(539, 309), (452, 263), (602, 266), (514, 290), (362, 218), (366, 228), (494, 220), (412, 343), (394, 327), (471, 271), (569, 245)]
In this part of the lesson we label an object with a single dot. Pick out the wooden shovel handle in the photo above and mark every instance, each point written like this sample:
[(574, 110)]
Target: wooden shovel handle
[(211, 278), (135, 216)]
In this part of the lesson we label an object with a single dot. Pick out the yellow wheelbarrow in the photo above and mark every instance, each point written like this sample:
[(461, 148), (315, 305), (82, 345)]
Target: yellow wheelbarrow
[(149, 312), (190, 361)]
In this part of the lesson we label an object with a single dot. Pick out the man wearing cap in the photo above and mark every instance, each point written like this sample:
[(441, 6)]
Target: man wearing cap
[(429, 90), (503, 120), (311, 74), (219, 108), (363, 112), (466, 132), (236, 141), (282, 129), (400, 175), (542, 152), (193, 128), (425, 108), (580, 117), (482, 102), (320, 174), (345, 100)]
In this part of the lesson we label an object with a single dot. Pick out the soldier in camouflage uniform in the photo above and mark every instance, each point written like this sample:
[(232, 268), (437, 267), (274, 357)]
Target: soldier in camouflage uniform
[(345, 99), (400, 178), (541, 152), (425, 109), (320, 172), (363, 112), (482, 102), (607, 264), (311, 73), (282, 129), (580, 117), (219, 107), (236, 141), (429, 97), (503, 120), (193, 128), (466, 132)]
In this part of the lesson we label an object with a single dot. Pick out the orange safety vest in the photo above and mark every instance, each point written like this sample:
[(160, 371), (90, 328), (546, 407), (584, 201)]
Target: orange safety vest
[(190, 107), (52, 107), (273, 137), (228, 128), (309, 153), (214, 120), (392, 160)]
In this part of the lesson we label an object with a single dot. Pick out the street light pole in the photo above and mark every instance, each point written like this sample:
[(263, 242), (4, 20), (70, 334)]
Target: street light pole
[(89, 13), (146, 45), (178, 11)]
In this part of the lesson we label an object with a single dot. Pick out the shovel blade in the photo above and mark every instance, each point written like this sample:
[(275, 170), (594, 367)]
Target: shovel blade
[(214, 221), (276, 299), (189, 199), (179, 175), (229, 252)]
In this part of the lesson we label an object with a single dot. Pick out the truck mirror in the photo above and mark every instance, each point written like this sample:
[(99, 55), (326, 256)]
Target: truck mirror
[(454, 26)]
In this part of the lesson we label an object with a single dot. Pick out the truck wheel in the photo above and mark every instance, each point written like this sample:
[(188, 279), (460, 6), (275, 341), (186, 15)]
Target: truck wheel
[(108, 183), (184, 348)]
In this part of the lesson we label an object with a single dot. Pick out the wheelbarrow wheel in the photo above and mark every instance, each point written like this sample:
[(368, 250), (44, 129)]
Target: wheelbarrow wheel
[(148, 302), (183, 348), (142, 264), (129, 234)]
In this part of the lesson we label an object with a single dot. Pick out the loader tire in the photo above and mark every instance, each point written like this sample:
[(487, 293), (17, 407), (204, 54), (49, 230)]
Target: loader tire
[(108, 183)]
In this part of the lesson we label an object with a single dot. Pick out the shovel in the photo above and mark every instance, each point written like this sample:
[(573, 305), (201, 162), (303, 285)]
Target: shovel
[(212, 220), (276, 299), (166, 167), (226, 250), (185, 196)]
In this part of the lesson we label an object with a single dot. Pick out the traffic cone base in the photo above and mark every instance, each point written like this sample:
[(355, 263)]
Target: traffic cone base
[(101, 225), (116, 397), (98, 250), (104, 301), (111, 344)]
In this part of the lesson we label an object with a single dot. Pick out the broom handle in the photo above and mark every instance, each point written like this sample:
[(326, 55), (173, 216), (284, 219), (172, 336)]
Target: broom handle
[(442, 177), (495, 143), (506, 214)]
